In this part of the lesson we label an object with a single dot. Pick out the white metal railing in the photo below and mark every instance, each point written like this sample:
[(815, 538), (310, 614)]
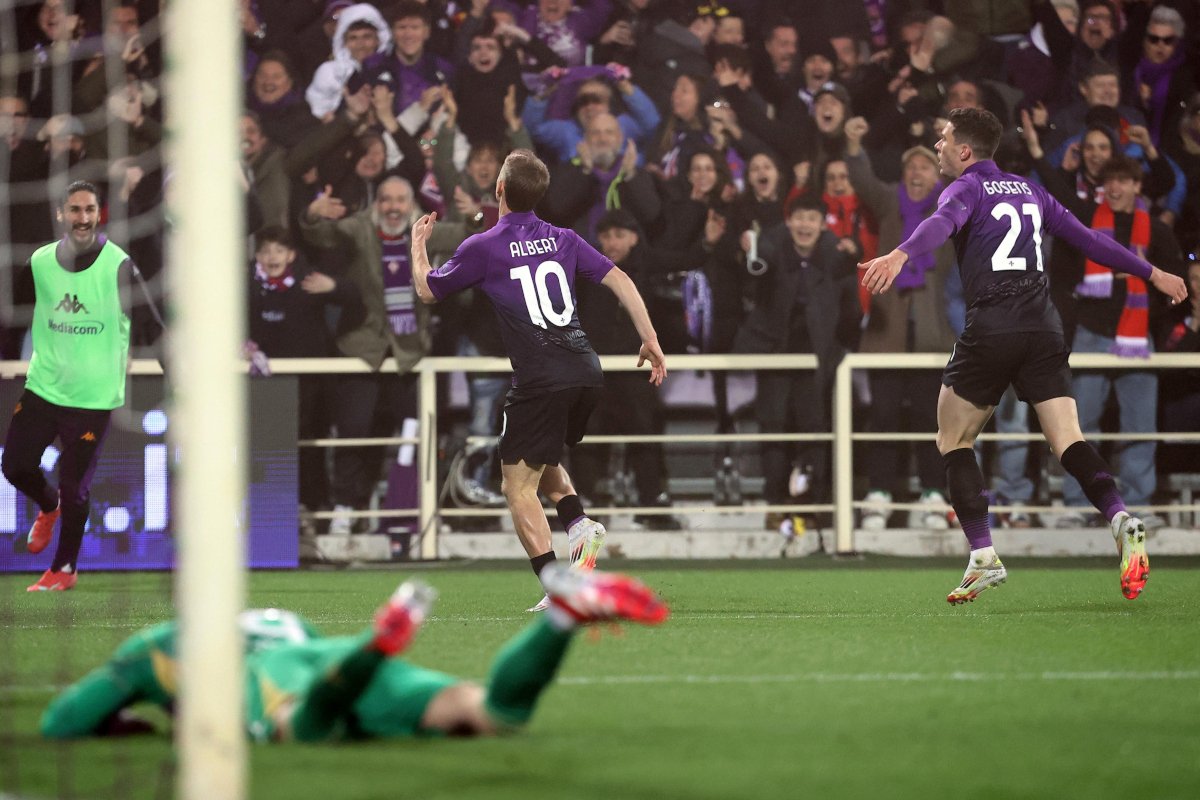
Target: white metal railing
[(842, 436)]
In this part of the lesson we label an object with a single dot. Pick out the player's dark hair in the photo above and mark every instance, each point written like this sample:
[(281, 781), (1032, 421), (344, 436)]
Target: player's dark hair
[(979, 128), (273, 234), (1121, 166), (525, 180), (409, 8), (80, 186)]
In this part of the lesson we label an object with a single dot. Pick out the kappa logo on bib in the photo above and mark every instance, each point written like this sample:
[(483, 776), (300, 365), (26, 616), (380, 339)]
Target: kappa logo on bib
[(70, 303)]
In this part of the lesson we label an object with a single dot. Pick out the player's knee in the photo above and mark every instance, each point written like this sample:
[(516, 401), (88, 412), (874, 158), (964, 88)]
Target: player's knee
[(516, 491), (15, 470), (459, 710)]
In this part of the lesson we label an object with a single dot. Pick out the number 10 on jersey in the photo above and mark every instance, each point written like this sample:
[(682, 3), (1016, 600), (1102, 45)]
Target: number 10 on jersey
[(537, 293)]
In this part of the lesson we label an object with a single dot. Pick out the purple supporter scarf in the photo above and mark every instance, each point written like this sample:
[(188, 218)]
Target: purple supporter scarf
[(1158, 78), (912, 213)]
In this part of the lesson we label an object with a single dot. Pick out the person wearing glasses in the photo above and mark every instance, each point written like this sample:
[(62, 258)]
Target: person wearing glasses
[(1159, 82)]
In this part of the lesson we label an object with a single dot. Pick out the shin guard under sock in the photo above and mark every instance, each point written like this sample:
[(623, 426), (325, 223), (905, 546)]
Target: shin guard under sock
[(1087, 467)]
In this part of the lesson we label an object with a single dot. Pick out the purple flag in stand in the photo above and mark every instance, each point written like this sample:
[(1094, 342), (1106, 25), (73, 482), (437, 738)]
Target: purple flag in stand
[(402, 493)]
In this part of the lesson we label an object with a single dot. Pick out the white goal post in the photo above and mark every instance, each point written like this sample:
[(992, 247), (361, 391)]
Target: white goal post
[(206, 250)]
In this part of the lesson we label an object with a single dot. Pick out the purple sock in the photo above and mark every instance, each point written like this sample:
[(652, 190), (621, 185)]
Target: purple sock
[(1087, 467), (1109, 499), (978, 532)]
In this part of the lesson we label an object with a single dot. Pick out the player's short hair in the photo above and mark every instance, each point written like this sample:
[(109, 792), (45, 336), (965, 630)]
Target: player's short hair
[(273, 234), (525, 180), (1121, 166), (978, 128), (80, 186)]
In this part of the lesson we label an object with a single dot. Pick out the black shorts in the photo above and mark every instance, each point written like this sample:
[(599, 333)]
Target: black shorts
[(537, 426), (1035, 363)]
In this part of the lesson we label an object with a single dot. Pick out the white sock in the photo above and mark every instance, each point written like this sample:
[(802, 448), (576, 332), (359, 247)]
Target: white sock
[(983, 556)]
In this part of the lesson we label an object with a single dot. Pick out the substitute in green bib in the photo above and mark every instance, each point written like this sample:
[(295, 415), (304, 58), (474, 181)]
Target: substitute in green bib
[(79, 289)]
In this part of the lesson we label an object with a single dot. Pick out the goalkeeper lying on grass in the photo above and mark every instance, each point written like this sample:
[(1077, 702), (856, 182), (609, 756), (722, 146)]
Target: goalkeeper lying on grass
[(301, 686)]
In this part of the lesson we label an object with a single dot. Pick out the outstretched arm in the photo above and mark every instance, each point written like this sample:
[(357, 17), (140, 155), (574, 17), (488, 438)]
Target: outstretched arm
[(1104, 250), (929, 235), (623, 287)]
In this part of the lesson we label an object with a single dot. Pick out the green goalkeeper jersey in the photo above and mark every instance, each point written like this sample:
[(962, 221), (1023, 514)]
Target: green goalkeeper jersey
[(285, 656)]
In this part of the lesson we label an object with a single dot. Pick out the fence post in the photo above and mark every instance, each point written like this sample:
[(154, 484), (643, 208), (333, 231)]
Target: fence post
[(427, 498), (843, 449)]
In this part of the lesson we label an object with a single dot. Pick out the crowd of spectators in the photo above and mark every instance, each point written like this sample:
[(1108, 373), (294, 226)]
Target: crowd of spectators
[(737, 158)]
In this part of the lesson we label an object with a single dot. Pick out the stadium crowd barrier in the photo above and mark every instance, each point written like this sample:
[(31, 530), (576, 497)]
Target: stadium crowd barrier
[(842, 436)]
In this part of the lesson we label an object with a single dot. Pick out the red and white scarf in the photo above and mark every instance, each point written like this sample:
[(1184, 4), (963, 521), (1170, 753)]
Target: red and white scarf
[(281, 283), (1133, 328)]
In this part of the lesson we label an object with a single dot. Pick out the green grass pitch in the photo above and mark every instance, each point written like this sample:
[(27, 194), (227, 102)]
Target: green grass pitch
[(798, 679)]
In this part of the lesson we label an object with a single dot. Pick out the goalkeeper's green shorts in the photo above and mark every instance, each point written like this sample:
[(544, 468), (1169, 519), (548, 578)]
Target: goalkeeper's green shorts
[(392, 704)]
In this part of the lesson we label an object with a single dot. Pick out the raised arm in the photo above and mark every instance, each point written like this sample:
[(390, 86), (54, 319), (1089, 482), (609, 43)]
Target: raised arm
[(631, 300), (420, 258)]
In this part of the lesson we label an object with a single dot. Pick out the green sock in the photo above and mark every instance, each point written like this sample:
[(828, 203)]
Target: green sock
[(331, 696), (83, 708), (80, 709), (523, 668)]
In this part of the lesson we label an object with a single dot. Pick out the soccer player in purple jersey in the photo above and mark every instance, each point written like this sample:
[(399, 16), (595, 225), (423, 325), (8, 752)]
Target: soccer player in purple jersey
[(528, 268), (1013, 335)]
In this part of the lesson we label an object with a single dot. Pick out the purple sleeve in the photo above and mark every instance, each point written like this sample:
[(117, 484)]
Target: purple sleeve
[(589, 262), (953, 211), (1093, 244), (465, 269)]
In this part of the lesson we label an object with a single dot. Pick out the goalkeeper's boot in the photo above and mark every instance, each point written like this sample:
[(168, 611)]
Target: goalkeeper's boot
[(397, 620), (584, 539), (54, 581), (587, 597), (978, 578), (541, 605), (1130, 535), (43, 530)]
